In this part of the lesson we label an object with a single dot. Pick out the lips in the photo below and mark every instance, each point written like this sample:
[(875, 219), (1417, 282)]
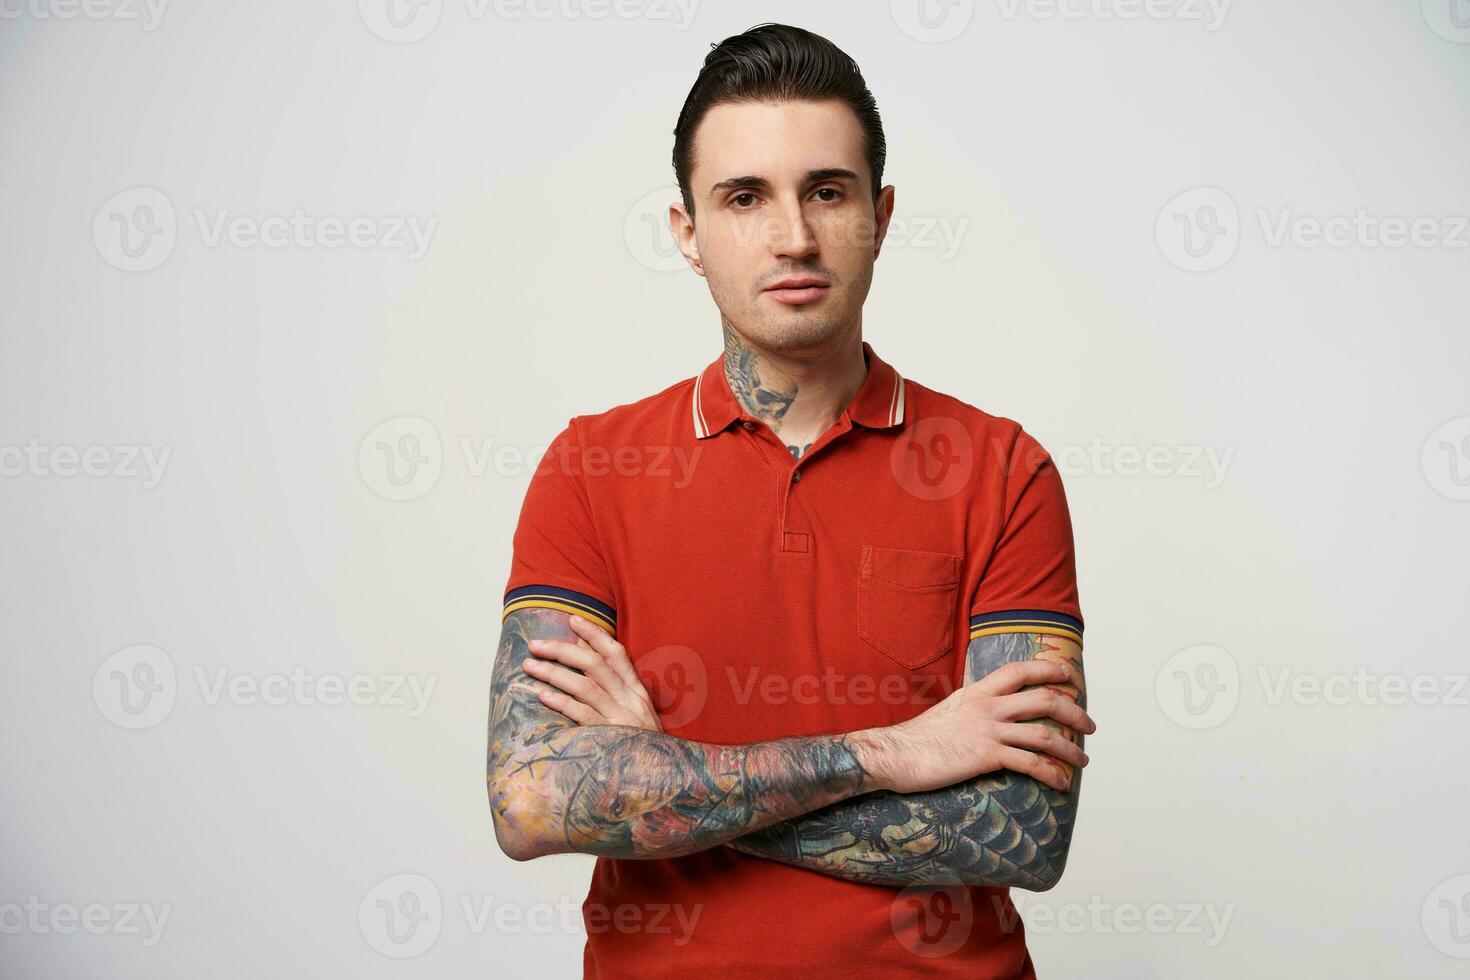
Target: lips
[(801, 289)]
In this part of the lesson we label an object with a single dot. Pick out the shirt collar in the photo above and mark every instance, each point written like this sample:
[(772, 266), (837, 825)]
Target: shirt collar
[(879, 403)]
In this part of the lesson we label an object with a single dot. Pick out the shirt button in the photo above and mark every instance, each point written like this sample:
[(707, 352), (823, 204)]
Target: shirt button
[(796, 476), (748, 424)]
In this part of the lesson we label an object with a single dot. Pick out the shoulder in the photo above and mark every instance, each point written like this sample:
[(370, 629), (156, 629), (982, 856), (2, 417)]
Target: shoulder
[(992, 436), (654, 417)]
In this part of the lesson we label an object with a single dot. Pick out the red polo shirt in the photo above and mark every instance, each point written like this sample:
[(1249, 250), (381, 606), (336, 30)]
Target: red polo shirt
[(761, 597)]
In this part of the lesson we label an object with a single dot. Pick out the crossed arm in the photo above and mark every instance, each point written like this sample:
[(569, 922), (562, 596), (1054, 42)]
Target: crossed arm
[(821, 802), (1000, 828), (626, 792)]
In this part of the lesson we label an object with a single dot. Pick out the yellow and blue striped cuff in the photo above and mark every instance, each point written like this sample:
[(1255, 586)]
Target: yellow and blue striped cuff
[(1026, 621), (565, 600)]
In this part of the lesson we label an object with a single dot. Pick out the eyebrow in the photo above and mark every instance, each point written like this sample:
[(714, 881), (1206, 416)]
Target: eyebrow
[(760, 183)]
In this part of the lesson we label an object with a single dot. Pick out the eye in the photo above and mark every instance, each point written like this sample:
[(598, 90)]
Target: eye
[(837, 194), (736, 200)]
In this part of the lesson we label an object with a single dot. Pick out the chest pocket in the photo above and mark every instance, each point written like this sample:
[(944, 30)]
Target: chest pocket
[(906, 603)]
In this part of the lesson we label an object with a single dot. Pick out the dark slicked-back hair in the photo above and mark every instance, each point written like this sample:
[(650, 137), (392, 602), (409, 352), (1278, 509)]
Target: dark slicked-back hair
[(776, 63)]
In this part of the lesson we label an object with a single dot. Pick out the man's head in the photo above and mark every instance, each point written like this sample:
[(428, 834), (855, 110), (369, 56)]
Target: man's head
[(779, 155)]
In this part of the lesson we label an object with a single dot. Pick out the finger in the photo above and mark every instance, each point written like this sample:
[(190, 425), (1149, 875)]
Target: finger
[(1046, 740), (1011, 677), (1035, 766), (571, 707), (612, 651), (583, 658), (579, 686), (1045, 703)]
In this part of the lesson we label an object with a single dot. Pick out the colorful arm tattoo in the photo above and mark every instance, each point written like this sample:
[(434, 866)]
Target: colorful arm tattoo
[(1001, 828), (625, 792)]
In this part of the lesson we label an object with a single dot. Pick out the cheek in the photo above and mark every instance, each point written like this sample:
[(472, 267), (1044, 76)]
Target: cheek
[(854, 234)]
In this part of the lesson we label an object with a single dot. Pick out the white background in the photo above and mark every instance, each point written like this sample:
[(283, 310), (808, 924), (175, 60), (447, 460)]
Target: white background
[(1332, 834)]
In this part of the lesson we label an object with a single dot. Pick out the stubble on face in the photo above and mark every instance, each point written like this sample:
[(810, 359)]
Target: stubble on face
[(809, 328)]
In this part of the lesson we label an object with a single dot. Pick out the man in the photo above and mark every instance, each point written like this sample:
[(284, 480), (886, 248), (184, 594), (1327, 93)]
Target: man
[(854, 597)]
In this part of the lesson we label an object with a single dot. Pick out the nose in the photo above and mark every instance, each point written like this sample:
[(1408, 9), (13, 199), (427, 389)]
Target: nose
[(790, 235)]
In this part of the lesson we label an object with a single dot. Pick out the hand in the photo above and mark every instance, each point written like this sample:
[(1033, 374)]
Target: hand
[(594, 679), (983, 727)]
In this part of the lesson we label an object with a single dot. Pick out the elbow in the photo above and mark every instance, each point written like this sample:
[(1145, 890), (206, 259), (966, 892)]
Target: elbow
[(1045, 875), (511, 819), (1041, 883), (514, 844)]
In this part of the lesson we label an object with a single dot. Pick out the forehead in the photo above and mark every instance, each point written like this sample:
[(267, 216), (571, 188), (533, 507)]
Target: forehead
[(780, 141)]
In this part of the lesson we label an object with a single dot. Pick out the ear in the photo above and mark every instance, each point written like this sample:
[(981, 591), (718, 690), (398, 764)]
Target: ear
[(882, 215), (681, 226)]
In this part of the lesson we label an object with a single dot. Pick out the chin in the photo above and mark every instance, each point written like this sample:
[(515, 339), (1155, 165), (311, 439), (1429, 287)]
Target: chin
[(801, 329)]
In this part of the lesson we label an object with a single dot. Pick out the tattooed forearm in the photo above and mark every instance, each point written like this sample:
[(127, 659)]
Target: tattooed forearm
[(628, 792), (1001, 828)]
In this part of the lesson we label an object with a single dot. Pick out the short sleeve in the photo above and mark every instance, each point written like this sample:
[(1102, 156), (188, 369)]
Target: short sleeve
[(557, 561), (1030, 582)]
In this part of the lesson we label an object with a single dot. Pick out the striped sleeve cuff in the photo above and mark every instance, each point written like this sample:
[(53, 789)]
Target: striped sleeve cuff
[(565, 600), (1026, 621)]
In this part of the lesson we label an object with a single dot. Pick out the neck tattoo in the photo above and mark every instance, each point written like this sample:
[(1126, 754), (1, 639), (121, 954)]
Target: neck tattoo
[(742, 370)]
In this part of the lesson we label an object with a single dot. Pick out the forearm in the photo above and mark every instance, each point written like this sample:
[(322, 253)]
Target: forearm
[(1001, 828), (626, 792)]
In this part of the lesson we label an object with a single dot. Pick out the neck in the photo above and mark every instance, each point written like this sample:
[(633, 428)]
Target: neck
[(799, 395)]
